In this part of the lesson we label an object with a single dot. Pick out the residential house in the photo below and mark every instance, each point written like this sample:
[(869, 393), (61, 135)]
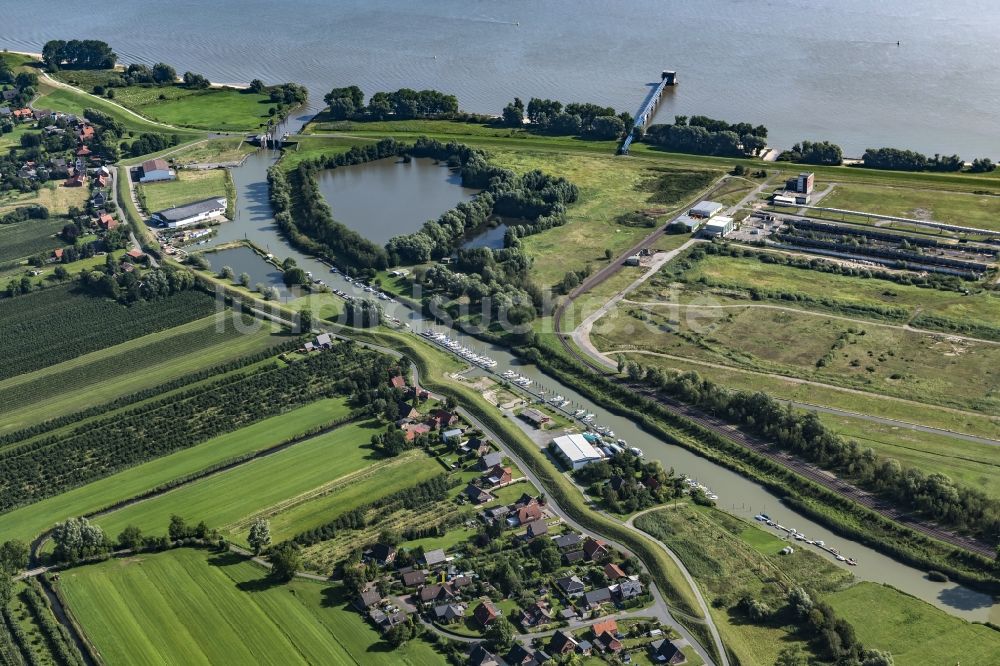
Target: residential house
[(628, 589), (480, 656), (448, 613), (383, 554), (368, 597), (496, 513), (562, 643), (398, 382), (666, 652), (499, 476), (408, 411), (436, 592), (584, 648), (613, 571), (135, 253), (41, 114), (568, 541), (57, 254), (82, 151), (572, 557), (106, 222), (609, 626), (434, 558), (21, 114), (8, 95), (443, 419), (5, 112), (536, 418), (452, 433), (414, 578), (477, 494), (485, 612), (536, 529), (522, 656), (596, 598), (58, 167), (478, 447), (386, 621), (535, 614), (490, 460), (76, 180), (595, 549), (99, 200), (608, 643), (571, 586), (86, 134), (458, 582), (529, 514), (412, 430)]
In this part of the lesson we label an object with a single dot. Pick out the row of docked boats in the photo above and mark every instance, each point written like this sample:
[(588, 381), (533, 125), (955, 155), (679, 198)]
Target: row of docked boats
[(799, 536), (693, 484), (458, 349)]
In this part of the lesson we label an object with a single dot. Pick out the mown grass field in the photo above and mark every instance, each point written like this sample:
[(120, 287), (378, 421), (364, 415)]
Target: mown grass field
[(52, 195), (27, 522), (932, 368), (727, 564), (832, 396), (190, 186), (226, 109), (231, 496), (746, 273), (916, 633), (31, 237), (192, 607), (225, 149), (104, 375), (965, 209)]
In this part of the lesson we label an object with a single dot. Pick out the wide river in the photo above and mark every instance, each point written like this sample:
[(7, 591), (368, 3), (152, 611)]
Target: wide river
[(822, 70), (827, 69)]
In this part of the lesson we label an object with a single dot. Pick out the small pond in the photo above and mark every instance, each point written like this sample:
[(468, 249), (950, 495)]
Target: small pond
[(390, 197), (245, 260)]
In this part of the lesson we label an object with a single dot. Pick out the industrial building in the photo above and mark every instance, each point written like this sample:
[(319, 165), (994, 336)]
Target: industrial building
[(803, 183), (182, 216), (718, 226), (706, 209), (156, 170), (791, 199), (575, 450)]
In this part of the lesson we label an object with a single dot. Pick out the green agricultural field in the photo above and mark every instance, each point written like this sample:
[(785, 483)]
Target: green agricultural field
[(192, 607), (747, 273), (832, 396), (27, 522), (727, 564), (29, 238), (190, 186), (52, 195), (961, 208), (231, 496), (37, 639), (915, 632), (608, 187), (104, 375), (932, 368)]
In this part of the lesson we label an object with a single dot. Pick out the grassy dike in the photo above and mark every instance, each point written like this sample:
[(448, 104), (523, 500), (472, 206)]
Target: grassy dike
[(839, 514)]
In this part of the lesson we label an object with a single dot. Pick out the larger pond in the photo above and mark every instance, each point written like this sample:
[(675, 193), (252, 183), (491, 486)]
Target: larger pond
[(392, 197)]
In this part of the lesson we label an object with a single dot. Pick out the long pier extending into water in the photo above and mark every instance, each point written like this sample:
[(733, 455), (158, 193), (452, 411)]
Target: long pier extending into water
[(667, 78)]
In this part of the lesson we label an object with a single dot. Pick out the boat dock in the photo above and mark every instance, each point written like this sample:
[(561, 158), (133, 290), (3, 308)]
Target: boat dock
[(645, 114)]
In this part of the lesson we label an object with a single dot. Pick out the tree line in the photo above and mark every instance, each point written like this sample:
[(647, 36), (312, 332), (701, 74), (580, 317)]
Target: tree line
[(814, 152), (702, 135), (348, 103), (584, 119)]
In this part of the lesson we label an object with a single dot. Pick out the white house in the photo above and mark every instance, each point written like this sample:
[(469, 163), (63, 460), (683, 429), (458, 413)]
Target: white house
[(156, 170), (199, 211)]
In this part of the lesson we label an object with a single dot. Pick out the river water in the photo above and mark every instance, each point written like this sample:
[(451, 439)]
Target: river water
[(826, 69)]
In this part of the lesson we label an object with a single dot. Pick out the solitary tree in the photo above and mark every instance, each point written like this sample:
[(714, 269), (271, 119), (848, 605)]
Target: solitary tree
[(130, 537), (284, 559), (501, 634), (245, 279), (260, 535), (306, 320), (226, 272)]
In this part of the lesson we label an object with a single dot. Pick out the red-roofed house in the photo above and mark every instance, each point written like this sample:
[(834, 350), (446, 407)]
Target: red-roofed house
[(411, 430), (398, 382), (529, 514), (609, 626), (57, 253), (21, 114), (107, 222), (499, 476), (86, 133), (485, 612), (76, 180), (443, 418), (82, 151), (135, 253), (613, 571), (595, 549)]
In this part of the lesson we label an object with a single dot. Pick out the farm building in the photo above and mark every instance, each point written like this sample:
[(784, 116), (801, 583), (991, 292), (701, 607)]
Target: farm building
[(182, 216), (718, 226), (575, 450), (706, 209), (156, 170)]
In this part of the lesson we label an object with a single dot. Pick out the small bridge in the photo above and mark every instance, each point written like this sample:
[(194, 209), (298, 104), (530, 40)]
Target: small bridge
[(645, 115)]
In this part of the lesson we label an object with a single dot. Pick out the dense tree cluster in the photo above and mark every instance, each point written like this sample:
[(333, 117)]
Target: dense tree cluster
[(78, 54), (909, 160), (22, 213), (706, 136), (982, 165), (149, 142), (129, 286), (76, 538), (627, 484), (575, 119), (51, 464), (363, 312), (802, 433), (814, 152), (349, 104)]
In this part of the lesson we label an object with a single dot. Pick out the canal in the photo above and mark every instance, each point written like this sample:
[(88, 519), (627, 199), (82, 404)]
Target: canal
[(737, 495)]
